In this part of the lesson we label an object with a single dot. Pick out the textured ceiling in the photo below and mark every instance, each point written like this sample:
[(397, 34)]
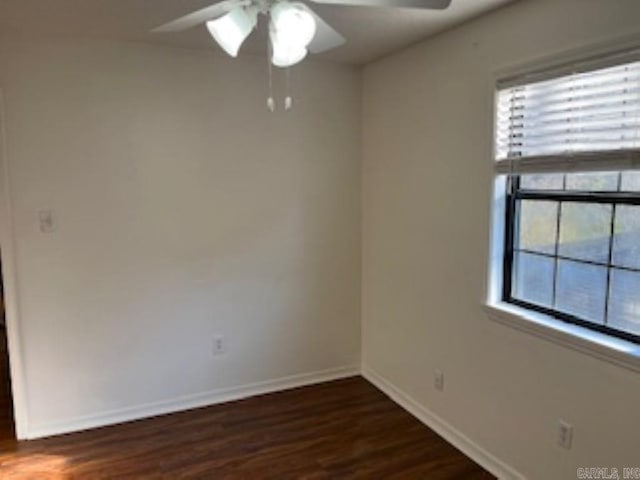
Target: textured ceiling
[(370, 32)]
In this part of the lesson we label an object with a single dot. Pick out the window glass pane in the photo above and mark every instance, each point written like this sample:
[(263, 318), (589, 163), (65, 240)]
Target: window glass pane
[(624, 302), (630, 182), (593, 182), (533, 278), (581, 290), (584, 231), (545, 181), (579, 257), (538, 225), (626, 242)]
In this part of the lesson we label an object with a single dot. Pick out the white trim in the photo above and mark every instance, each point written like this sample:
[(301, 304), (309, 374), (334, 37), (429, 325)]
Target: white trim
[(596, 344), (188, 402), (456, 438), (9, 276)]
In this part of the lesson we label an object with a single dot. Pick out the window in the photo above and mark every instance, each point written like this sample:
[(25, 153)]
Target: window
[(568, 147)]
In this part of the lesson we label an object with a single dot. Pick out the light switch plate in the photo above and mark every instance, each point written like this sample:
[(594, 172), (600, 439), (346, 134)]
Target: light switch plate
[(46, 220)]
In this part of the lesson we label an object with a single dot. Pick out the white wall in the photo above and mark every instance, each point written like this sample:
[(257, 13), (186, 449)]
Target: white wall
[(427, 129), (184, 210)]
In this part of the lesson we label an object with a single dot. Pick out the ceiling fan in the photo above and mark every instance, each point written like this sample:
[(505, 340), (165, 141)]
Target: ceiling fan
[(294, 29)]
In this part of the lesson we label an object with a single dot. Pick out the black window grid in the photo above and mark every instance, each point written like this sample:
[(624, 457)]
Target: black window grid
[(516, 194)]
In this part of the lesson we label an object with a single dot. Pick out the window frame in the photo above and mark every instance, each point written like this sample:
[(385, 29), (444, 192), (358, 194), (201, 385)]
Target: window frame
[(599, 346), (513, 194)]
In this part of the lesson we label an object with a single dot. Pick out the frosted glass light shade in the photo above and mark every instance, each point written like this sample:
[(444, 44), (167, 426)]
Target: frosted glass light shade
[(292, 23), (285, 57), (232, 29), (292, 28)]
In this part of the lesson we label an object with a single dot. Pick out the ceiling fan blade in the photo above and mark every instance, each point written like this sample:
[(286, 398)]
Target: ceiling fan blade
[(199, 16), (427, 4), (326, 37)]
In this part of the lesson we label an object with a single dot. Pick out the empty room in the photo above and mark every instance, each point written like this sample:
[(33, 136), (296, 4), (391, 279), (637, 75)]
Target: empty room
[(319, 239)]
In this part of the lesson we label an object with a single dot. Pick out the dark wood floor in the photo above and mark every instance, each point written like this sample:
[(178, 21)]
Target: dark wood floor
[(341, 429)]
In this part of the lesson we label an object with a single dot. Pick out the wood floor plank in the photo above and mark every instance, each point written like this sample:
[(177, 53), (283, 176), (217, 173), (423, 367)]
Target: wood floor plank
[(343, 429)]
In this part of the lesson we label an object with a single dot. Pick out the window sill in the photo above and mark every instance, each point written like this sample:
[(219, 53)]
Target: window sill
[(595, 344)]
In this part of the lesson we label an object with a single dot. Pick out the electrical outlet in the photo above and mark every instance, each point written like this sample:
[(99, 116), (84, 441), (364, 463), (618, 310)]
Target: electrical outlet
[(219, 345), (565, 434), (438, 381)]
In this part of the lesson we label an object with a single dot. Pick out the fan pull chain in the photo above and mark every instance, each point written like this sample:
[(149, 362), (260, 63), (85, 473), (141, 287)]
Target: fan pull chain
[(288, 101), (271, 103)]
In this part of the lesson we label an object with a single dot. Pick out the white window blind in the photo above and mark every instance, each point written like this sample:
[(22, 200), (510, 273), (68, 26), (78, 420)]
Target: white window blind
[(588, 120)]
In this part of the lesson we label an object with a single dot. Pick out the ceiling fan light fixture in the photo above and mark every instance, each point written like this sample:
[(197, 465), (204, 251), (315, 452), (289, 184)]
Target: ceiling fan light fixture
[(284, 57), (232, 29), (291, 30), (293, 23)]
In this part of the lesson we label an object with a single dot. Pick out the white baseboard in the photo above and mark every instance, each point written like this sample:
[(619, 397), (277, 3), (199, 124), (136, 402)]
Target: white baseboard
[(442, 428), (222, 395), (187, 402)]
